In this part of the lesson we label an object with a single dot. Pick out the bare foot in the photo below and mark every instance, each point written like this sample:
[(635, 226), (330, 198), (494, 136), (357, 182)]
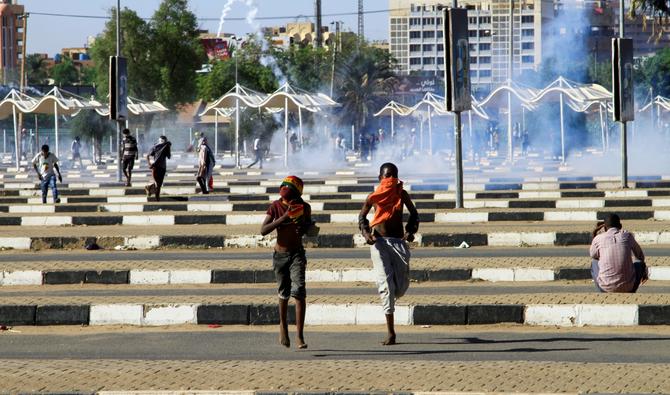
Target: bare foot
[(301, 343), (283, 338), (389, 341)]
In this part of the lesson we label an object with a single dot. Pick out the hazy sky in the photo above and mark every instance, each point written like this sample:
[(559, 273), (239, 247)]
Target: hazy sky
[(48, 34)]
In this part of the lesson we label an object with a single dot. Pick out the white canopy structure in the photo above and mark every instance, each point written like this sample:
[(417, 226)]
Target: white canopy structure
[(579, 97), (290, 99), (232, 101), (12, 102), (59, 102), (661, 103), (137, 107)]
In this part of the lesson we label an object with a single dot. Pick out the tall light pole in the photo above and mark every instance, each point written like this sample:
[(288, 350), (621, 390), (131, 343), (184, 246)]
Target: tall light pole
[(510, 74), (334, 47), (22, 79), (624, 137), (238, 41), (119, 139)]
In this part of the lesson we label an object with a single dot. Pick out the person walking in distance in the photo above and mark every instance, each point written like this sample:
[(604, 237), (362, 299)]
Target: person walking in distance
[(130, 154), (161, 152), (46, 165), (388, 241), (206, 164), (291, 217), (258, 151), (75, 148)]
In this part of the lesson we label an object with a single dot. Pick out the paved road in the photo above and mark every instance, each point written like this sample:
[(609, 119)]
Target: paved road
[(351, 253), (363, 289), (261, 345)]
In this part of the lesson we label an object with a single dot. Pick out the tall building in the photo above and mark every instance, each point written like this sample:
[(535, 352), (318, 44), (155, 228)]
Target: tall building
[(416, 37), (297, 33), (11, 37)]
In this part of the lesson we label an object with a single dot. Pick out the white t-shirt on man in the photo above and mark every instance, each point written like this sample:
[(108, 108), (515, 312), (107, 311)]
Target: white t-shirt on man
[(45, 166)]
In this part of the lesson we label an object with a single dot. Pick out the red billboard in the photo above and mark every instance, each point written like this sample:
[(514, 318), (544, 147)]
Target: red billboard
[(216, 48)]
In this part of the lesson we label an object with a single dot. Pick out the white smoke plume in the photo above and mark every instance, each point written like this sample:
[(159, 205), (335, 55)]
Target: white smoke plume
[(224, 13)]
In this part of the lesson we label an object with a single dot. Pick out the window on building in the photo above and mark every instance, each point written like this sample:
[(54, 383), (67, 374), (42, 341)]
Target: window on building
[(472, 47), (528, 59), (428, 60), (414, 34), (472, 33), (527, 19), (415, 21), (415, 47), (472, 20), (484, 33), (439, 21), (428, 47), (429, 34), (440, 34), (440, 47), (484, 73), (485, 59), (440, 60), (485, 47), (527, 45), (527, 32), (414, 61), (485, 19), (473, 60)]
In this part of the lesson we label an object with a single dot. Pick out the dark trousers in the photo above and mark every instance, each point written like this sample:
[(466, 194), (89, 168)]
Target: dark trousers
[(639, 266), (259, 158), (49, 181), (158, 174)]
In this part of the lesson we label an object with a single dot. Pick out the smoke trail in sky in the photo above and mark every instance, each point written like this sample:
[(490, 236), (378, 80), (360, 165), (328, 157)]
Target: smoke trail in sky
[(224, 13)]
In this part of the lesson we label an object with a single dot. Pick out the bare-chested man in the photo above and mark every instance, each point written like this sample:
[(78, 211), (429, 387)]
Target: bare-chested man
[(388, 240), (292, 218)]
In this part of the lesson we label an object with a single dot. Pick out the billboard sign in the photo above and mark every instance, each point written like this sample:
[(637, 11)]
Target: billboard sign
[(622, 79), (118, 88), (457, 60)]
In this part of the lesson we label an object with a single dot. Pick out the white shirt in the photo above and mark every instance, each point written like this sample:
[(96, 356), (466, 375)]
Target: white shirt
[(257, 144), (45, 166)]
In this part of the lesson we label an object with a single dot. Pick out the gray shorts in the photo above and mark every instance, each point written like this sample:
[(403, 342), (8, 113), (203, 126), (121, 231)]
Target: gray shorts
[(289, 268)]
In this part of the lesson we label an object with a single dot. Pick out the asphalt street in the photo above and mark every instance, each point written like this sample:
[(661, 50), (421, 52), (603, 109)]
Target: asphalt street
[(349, 253), (447, 345), (314, 289)]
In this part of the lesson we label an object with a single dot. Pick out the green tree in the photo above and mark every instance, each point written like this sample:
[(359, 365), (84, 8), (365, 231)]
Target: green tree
[(65, 72), (251, 73), (143, 81), (176, 52), (305, 67), (36, 69), (652, 72), (88, 76), (88, 124), (659, 10), (365, 81)]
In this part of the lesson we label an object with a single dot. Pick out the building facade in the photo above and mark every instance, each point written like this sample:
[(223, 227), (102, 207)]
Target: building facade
[(11, 38), (416, 37), (297, 33)]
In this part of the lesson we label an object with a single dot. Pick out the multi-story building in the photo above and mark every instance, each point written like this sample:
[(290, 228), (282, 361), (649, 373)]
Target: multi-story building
[(297, 33), (416, 37), (640, 30), (11, 37)]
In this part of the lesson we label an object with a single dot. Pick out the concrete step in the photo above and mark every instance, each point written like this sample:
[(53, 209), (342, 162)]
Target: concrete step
[(560, 309)]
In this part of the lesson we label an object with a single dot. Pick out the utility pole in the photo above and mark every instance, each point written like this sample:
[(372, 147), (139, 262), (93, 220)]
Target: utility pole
[(510, 74), (317, 13), (361, 30), (624, 134), (334, 47), (22, 79), (119, 139)]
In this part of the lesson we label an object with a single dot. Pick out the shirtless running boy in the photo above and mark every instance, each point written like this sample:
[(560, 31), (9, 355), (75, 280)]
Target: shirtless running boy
[(388, 241), (291, 217)]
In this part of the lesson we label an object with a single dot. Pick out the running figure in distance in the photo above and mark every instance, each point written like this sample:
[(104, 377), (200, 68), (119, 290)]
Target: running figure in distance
[(388, 240)]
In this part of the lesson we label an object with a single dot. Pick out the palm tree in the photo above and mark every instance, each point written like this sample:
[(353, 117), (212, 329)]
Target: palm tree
[(659, 10), (36, 69), (366, 79)]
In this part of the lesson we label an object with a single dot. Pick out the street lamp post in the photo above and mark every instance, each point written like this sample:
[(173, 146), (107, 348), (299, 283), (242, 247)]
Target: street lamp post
[(624, 143), (118, 122), (238, 41)]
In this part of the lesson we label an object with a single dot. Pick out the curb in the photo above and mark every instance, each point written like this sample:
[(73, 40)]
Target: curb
[(564, 315), (249, 276), (494, 239)]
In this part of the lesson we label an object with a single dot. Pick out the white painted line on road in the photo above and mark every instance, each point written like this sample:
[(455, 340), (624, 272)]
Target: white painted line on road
[(533, 274), (373, 314), (148, 219), (142, 242), (46, 220), (607, 315), (551, 314), (567, 216), (17, 243), (330, 314), (190, 276), (152, 277), (493, 274)]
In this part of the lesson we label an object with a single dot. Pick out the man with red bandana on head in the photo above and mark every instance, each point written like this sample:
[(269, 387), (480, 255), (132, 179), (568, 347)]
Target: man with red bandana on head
[(292, 218)]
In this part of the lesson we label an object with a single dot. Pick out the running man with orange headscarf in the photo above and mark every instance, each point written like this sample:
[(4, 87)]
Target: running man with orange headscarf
[(388, 240)]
